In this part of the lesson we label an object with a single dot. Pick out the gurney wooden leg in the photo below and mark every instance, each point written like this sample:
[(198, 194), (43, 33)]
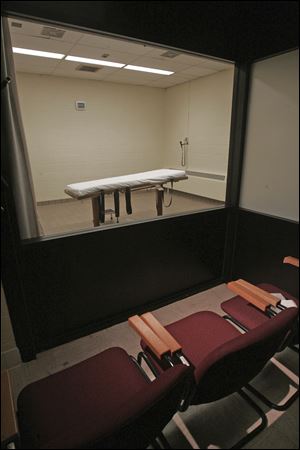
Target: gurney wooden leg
[(95, 206), (159, 200)]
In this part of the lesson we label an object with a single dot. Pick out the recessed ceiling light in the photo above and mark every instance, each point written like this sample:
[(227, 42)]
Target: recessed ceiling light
[(148, 69), (27, 51), (98, 62)]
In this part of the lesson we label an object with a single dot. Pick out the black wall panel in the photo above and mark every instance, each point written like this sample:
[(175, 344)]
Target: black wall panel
[(239, 31), (81, 283), (261, 244)]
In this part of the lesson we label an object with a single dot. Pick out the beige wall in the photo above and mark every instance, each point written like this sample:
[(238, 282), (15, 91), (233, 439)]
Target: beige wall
[(270, 182), (200, 110), (10, 356), (125, 129), (120, 132)]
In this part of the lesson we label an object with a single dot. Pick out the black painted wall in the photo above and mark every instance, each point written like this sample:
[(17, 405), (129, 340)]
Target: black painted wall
[(262, 242), (82, 283), (234, 30)]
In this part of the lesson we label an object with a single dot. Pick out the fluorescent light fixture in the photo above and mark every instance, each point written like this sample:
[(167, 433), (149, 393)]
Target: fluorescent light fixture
[(27, 51), (98, 62), (148, 69)]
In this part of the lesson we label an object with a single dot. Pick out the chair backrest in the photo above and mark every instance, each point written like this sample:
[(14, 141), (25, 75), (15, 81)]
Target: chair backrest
[(149, 412), (234, 364)]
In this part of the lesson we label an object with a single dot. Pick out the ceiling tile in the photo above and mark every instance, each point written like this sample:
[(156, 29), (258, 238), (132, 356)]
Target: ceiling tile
[(196, 71), (182, 58), (33, 61), (75, 74), (115, 44), (132, 77), (39, 43), (68, 68), (218, 65), (162, 63), (97, 53), (34, 30)]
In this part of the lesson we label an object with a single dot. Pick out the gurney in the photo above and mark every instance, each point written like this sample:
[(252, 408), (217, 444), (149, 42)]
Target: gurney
[(96, 189)]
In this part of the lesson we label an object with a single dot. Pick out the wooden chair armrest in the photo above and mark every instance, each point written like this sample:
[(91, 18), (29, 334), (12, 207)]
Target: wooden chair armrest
[(291, 260), (239, 289), (161, 332), (158, 347), (265, 296), (9, 426)]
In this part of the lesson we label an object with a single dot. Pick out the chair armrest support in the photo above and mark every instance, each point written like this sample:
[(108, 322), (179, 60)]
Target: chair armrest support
[(291, 260), (161, 332), (252, 298), (159, 348), (265, 296)]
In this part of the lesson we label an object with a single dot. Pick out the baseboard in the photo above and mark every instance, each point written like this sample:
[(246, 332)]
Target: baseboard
[(53, 202)]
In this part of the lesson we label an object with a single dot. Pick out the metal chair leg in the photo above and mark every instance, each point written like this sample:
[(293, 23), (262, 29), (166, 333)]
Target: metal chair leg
[(155, 444), (163, 441), (259, 428), (269, 403)]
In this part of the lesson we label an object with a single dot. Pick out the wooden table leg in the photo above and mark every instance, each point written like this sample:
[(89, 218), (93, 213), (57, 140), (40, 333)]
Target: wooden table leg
[(95, 206), (159, 200)]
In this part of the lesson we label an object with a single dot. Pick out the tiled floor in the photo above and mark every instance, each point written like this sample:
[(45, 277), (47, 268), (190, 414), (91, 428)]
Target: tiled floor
[(74, 215), (216, 425)]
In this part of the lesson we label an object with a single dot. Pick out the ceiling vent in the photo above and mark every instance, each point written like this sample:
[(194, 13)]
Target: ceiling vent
[(170, 54), (83, 68), (16, 24), (52, 32)]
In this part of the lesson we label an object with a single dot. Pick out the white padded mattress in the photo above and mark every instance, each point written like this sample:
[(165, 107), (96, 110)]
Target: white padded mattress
[(152, 177)]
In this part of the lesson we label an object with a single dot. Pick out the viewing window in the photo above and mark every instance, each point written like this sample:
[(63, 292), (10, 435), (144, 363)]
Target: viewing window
[(119, 131)]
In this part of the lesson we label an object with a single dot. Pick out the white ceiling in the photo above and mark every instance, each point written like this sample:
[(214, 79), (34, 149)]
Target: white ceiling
[(186, 67)]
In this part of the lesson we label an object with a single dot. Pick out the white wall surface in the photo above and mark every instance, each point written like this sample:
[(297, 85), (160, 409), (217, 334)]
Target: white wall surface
[(200, 110), (120, 132), (270, 181)]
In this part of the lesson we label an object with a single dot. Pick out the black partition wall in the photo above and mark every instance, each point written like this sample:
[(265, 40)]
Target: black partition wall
[(60, 288)]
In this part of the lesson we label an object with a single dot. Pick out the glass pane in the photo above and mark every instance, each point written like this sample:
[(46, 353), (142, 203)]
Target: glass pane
[(98, 107)]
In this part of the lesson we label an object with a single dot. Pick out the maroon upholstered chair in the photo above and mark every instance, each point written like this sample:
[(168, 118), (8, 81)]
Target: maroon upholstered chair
[(248, 317), (106, 402), (224, 360)]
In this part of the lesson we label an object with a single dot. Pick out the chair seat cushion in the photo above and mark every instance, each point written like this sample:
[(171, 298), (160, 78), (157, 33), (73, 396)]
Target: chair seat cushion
[(74, 408), (246, 313)]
